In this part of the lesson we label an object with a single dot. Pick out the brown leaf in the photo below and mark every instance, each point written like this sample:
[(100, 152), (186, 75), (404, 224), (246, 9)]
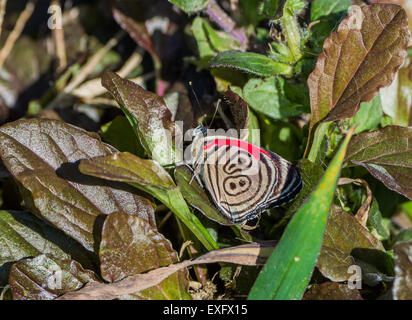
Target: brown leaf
[(42, 154), (248, 254), (406, 5), (359, 59), (332, 291), (387, 155), (343, 233), (129, 246), (127, 167)]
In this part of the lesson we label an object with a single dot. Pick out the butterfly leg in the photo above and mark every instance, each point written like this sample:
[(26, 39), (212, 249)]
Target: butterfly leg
[(245, 226)]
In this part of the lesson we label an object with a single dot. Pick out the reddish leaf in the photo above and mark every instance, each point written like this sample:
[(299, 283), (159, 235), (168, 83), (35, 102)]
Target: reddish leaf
[(343, 233), (359, 59), (46, 278), (387, 155), (130, 245), (42, 155)]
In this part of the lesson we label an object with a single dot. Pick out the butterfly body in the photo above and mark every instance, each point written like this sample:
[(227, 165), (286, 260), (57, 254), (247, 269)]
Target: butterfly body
[(243, 179)]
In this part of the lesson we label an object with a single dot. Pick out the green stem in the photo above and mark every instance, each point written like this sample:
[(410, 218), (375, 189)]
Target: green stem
[(291, 30), (315, 154)]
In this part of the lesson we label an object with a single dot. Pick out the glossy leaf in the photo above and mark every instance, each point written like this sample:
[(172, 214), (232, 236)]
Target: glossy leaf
[(343, 233), (18, 240), (359, 59), (402, 287), (42, 155), (387, 155), (149, 117), (150, 177), (131, 246), (46, 278), (288, 270), (250, 62), (22, 235), (126, 167)]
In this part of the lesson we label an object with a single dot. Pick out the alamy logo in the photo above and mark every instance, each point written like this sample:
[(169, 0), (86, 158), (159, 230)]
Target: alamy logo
[(55, 20)]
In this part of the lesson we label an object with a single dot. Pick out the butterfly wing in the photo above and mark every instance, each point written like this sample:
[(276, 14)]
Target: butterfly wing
[(244, 180)]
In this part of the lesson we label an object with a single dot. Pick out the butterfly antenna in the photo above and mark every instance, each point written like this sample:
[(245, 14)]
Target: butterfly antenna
[(195, 95), (214, 114)]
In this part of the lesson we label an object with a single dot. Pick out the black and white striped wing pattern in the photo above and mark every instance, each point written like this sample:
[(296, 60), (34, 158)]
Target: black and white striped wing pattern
[(244, 180)]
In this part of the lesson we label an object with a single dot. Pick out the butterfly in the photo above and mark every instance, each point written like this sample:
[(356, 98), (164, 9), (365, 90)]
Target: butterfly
[(242, 179)]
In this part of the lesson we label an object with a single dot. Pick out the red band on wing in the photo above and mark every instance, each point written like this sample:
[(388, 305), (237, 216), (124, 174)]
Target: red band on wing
[(252, 149)]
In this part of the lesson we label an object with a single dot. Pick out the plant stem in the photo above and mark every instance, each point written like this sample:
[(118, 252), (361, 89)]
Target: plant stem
[(225, 22), (291, 30), (319, 136)]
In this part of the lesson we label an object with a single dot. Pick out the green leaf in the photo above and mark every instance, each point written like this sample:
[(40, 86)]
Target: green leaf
[(376, 223), (343, 233), (45, 278), (288, 270), (387, 155), (149, 176), (273, 8), (251, 13), (119, 133), (42, 155), (250, 62), (323, 9), (369, 116), (402, 287), (130, 246), (149, 117), (190, 6), (210, 42), (358, 60), (281, 137), (273, 97)]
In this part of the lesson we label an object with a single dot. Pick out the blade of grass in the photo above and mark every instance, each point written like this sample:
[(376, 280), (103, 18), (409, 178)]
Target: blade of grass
[(289, 268)]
